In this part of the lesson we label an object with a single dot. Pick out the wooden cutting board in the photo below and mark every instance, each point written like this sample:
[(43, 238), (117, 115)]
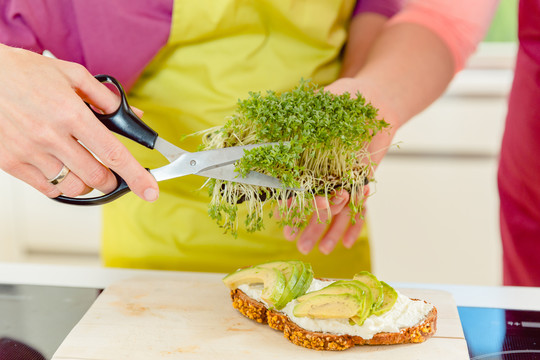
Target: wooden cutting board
[(191, 317)]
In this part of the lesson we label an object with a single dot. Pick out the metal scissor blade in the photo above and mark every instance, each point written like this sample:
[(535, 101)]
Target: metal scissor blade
[(218, 164), (225, 172), (223, 156), (170, 151), (189, 163), (252, 178)]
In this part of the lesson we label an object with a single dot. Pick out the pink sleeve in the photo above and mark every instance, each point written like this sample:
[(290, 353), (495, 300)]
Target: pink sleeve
[(461, 24), (387, 8), (36, 25), (117, 37)]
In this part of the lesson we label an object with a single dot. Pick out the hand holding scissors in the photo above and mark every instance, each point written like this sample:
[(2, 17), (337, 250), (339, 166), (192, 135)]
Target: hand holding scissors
[(217, 163)]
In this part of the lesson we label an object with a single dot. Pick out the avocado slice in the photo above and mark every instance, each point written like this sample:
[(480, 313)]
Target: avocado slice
[(390, 297), (368, 303), (338, 287), (363, 313), (305, 281), (374, 284), (272, 279), (329, 306), (352, 287), (291, 271)]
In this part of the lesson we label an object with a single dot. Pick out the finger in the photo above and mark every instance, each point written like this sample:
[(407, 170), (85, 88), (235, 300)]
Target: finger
[(25, 172), (90, 89), (73, 186), (353, 232), (339, 201), (33, 177), (326, 208), (137, 111), (87, 168), (97, 93), (290, 233), (96, 137), (308, 238), (321, 202), (85, 171), (318, 222), (70, 185), (335, 232)]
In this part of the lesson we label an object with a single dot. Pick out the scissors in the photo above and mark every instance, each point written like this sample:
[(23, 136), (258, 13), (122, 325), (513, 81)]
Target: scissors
[(215, 163)]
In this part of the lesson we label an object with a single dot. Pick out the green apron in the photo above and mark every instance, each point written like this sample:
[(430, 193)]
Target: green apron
[(217, 52)]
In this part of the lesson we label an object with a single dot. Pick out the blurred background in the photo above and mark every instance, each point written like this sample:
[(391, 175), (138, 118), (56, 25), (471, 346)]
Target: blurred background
[(433, 215)]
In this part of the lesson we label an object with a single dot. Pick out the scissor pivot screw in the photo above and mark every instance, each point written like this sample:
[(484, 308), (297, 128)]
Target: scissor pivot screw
[(192, 163)]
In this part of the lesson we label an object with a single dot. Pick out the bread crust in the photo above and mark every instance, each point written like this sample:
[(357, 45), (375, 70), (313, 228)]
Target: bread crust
[(257, 311)]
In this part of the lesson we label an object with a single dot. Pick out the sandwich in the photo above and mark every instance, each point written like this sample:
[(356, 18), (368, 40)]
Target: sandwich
[(324, 314)]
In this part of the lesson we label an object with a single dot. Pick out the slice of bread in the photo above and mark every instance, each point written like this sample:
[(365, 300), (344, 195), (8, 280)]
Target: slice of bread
[(257, 311)]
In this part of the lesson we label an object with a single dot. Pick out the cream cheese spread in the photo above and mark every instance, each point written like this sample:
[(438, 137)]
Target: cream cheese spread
[(405, 313)]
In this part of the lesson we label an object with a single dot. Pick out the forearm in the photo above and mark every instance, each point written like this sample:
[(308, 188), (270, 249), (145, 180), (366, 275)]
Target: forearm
[(420, 49), (368, 21), (363, 31), (407, 68)]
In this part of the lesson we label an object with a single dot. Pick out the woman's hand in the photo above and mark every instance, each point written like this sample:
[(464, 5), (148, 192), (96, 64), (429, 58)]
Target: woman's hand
[(44, 120), (332, 222), (407, 68)]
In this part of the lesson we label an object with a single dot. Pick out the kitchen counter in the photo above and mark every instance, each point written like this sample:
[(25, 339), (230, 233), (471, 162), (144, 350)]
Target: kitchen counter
[(522, 298), (41, 304)]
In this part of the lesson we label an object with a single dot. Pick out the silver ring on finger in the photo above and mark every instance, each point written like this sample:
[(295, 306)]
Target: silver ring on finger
[(60, 176)]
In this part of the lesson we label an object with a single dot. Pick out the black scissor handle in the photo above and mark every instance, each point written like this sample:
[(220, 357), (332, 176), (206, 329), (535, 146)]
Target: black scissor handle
[(121, 189), (123, 121)]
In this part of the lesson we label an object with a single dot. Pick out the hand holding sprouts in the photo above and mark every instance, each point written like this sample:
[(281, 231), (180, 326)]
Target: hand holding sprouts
[(323, 147)]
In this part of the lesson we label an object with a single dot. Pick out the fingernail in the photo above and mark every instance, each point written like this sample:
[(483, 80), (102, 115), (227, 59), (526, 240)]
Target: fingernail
[(304, 249), (338, 200), (150, 194), (348, 242), (324, 250)]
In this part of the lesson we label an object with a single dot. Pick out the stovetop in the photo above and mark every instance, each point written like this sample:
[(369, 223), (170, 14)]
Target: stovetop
[(34, 320), (494, 334)]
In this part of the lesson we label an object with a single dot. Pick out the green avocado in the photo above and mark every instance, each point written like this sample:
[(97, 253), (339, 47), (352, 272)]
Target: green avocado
[(273, 281), (305, 281), (368, 303), (292, 273), (374, 284), (329, 306), (390, 297), (298, 277), (351, 287), (338, 287)]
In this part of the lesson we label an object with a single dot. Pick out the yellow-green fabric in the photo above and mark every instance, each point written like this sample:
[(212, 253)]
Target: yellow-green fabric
[(218, 51)]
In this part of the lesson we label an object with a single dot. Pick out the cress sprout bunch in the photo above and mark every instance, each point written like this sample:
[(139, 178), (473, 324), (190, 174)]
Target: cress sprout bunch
[(326, 138)]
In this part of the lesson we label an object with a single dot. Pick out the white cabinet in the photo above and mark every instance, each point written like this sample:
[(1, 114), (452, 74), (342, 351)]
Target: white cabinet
[(434, 213), (33, 225)]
